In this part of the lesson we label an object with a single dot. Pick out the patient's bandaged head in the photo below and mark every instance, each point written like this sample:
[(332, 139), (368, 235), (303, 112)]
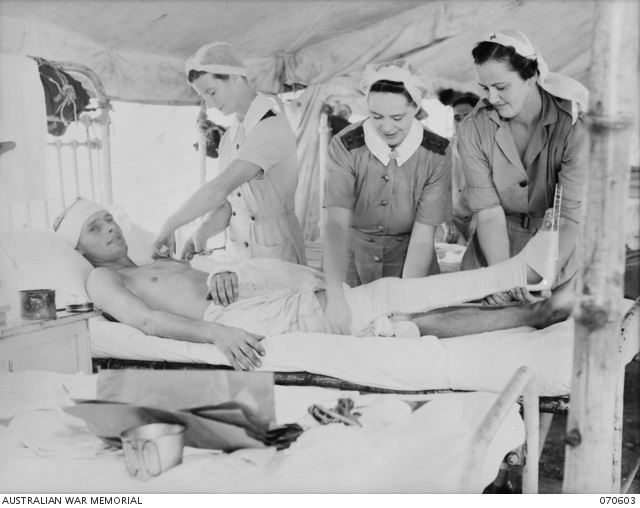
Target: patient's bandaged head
[(216, 58), (69, 224)]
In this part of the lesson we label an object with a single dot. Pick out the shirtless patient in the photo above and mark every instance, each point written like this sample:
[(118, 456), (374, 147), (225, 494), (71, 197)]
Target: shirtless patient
[(168, 298)]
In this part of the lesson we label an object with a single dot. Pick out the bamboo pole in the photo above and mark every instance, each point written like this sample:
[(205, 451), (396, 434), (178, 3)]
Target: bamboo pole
[(590, 436)]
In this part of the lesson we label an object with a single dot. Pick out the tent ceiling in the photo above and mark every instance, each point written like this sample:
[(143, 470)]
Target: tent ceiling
[(137, 47), (176, 28)]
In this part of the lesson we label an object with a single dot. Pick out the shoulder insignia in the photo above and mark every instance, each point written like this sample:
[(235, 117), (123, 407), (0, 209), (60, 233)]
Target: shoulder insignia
[(268, 114), (431, 141), (353, 139)]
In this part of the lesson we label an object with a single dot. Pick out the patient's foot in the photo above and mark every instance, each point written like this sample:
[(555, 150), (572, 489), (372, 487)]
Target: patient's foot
[(559, 306)]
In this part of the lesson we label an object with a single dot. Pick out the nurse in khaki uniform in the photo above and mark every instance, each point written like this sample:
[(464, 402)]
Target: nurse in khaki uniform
[(388, 187), (522, 140), (255, 192)]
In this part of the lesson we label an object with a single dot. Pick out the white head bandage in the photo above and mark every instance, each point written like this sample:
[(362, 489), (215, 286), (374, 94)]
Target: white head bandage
[(556, 84), (216, 58), (70, 226), (399, 71)]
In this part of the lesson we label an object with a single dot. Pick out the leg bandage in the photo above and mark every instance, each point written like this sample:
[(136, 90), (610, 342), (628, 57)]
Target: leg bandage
[(389, 296)]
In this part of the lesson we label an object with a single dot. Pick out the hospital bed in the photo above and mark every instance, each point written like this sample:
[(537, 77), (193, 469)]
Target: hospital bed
[(481, 362), (453, 443)]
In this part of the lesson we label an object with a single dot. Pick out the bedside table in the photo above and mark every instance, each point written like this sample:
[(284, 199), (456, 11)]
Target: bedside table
[(58, 345)]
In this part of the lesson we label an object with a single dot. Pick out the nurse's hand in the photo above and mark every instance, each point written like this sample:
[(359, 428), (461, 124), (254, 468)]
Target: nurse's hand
[(164, 245), (450, 232), (194, 245), (223, 288), (523, 295), (337, 315), (498, 299)]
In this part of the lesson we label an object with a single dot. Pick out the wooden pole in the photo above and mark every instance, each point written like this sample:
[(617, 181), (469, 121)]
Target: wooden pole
[(590, 436)]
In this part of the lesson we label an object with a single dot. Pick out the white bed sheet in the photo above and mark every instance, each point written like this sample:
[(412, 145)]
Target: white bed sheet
[(482, 362), (419, 452)]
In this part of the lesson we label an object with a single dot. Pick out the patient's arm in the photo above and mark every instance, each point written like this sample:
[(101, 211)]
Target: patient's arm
[(107, 290)]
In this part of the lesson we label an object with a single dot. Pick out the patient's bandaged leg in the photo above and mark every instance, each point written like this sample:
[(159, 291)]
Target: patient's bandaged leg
[(389, 296)]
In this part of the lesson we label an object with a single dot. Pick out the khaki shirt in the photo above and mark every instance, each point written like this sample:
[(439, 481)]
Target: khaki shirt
[(387, 200), (496, 176), (557, 153)]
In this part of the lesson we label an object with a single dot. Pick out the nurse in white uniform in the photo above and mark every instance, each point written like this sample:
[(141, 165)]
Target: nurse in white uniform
[(254, 194)]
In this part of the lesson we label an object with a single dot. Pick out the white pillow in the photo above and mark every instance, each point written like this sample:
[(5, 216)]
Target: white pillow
[(40, 259)]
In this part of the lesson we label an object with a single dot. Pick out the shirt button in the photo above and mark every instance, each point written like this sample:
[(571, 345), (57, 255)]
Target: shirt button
[(233, 213), (375, 258), (237, 147), (368, 239), (523, 183), (383, 203), (381, 228), (385, 178), (400, 238), (246, 244), (239, 194), (253, 218)]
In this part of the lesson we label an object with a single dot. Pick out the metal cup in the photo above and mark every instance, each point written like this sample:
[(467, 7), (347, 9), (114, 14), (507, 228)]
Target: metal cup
[(151, 449), (38, 304)]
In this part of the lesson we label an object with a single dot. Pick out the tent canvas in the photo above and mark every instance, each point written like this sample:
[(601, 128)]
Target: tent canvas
[(138, 47)]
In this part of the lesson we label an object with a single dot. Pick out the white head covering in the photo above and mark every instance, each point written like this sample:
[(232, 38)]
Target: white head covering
[(71, 224), (556, 84), (217, 58), (399, 71)]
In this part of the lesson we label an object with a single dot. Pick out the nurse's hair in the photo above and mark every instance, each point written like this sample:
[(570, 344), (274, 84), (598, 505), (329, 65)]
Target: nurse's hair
[(194, 74), (386, 86), (486, 51)]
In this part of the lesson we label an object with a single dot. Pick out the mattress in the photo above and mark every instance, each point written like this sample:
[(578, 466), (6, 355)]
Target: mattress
[(479, 362)]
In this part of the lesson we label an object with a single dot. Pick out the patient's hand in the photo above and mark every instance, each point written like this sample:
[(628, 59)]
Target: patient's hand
[(223, 288), (241, 348)]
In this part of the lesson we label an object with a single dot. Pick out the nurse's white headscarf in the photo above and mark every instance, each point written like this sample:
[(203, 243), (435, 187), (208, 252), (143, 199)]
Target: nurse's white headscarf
[(216, 58), (556, 84), (399, 71), (70, 226)]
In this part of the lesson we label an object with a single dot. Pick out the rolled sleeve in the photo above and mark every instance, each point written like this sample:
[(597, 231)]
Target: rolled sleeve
[(267, 143), (481, 191), (573, 172), (339, 187), (435, 203)]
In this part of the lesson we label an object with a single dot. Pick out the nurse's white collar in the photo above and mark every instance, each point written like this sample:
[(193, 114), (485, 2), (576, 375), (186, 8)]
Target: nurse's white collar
[(259, 106), (382, 151)]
